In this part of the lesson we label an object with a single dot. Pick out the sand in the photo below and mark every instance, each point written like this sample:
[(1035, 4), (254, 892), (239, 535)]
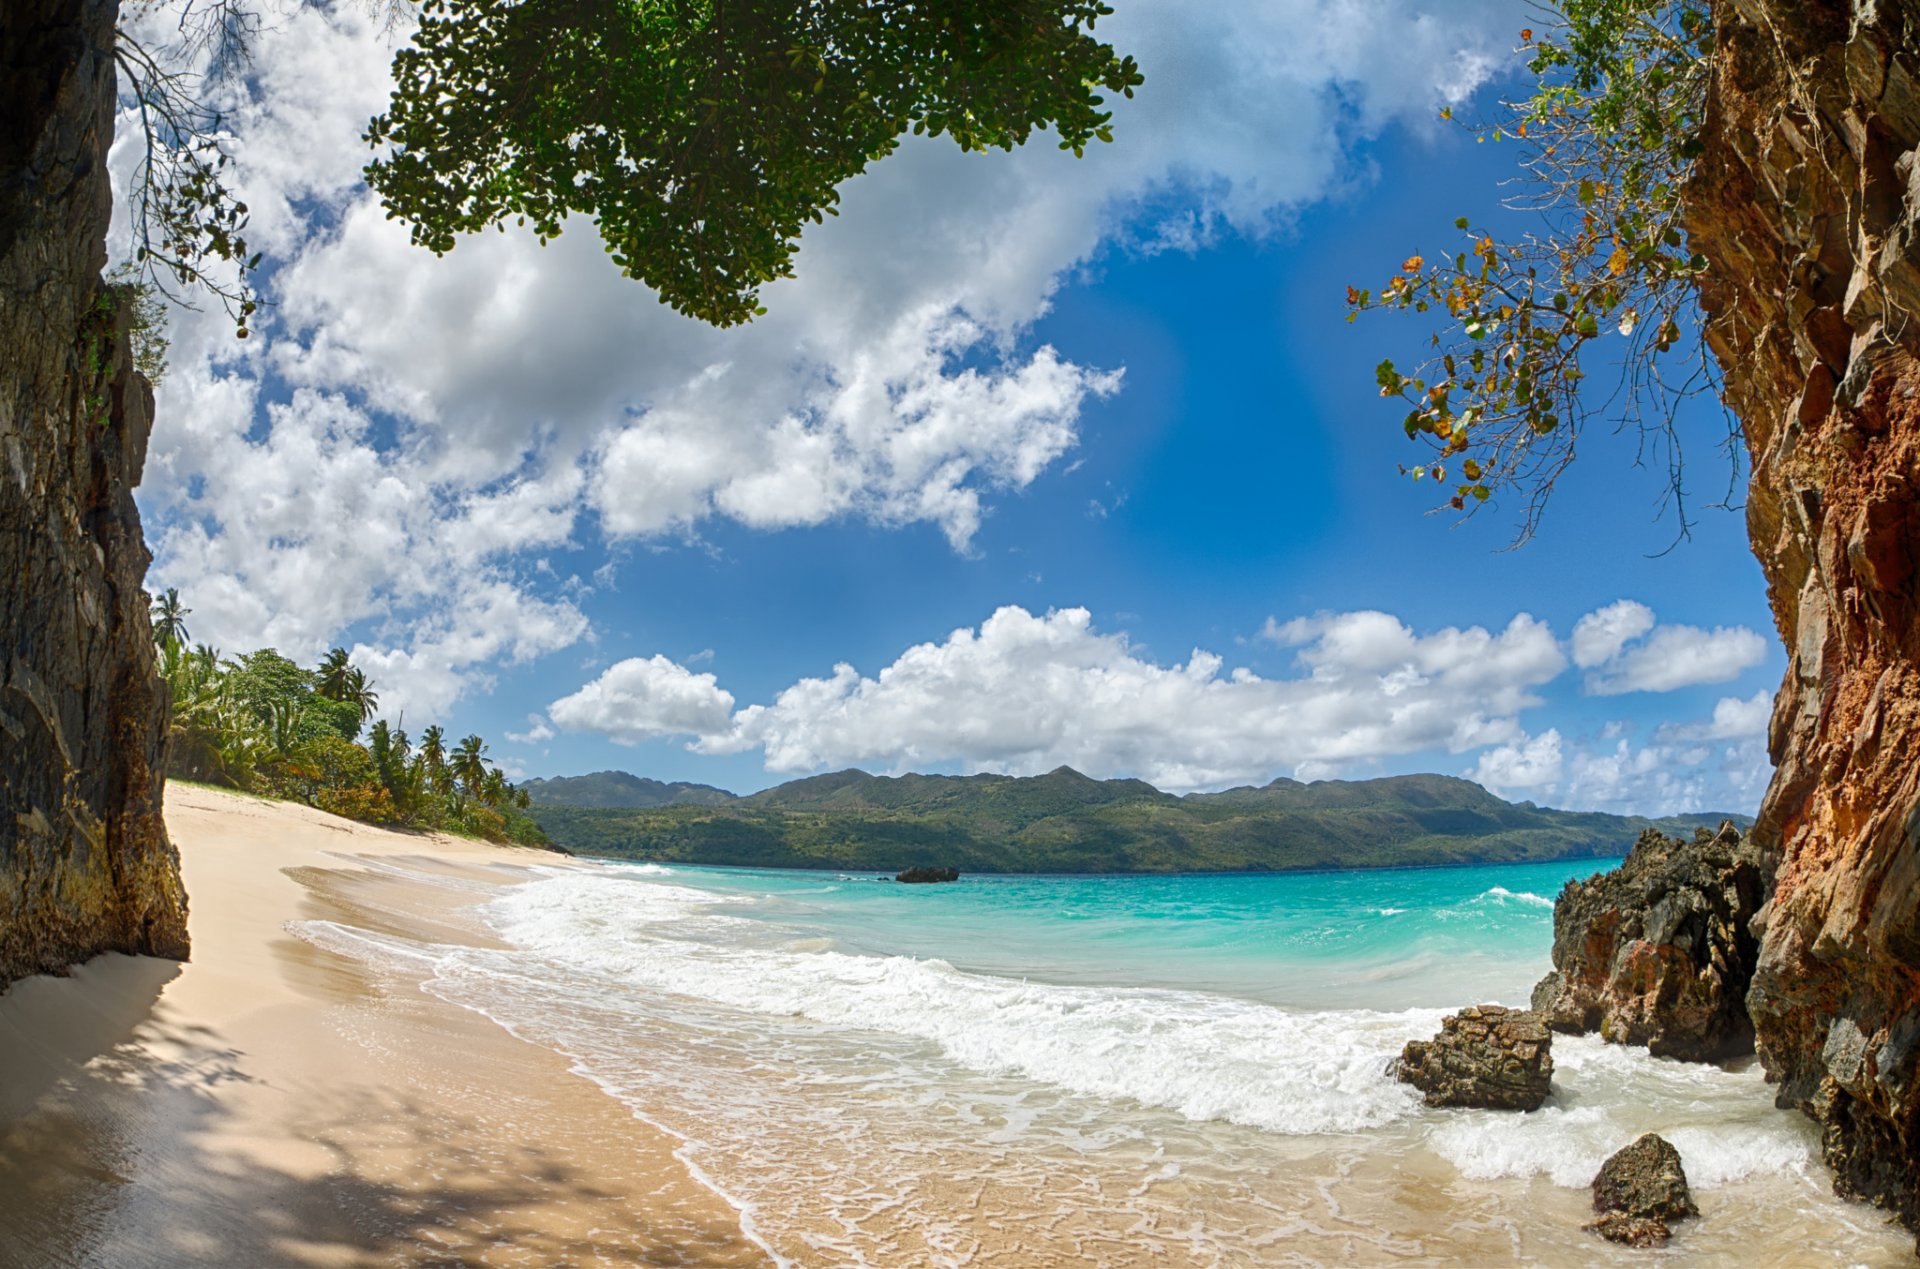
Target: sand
[(270, 1103)]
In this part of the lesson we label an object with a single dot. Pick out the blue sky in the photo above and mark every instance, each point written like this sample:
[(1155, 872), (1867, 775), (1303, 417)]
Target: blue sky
[(1115, 403)]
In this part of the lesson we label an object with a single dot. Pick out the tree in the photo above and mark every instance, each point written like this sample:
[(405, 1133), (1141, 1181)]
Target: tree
[(335, 675), (469, 764), (170, 620), (433, 757), (359, 693), (1611, 134)]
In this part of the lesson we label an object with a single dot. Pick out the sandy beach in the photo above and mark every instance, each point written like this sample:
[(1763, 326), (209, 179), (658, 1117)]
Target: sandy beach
[(270, 1103)]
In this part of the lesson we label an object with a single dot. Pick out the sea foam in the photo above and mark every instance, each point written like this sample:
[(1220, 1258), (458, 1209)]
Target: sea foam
[(1204, 1056)]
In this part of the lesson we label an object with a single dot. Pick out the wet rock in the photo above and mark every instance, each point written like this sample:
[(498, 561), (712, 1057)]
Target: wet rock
[(1486, 1056), (1639, 1191), (1661, 950), (921, 874)]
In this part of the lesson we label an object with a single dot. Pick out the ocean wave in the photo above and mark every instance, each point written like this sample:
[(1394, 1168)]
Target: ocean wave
[(1206, 1057), (1500, 894)]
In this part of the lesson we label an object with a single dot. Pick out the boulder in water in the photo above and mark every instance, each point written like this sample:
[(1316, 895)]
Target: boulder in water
[(1486, 1056), (1639, 1190), (921, 874)]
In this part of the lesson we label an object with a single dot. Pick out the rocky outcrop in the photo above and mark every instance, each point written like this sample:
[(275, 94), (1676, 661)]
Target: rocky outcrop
[(1659, 951), (1806, 203), (922, 874), (1485, 1056), (85, 864), (1639, 1191)]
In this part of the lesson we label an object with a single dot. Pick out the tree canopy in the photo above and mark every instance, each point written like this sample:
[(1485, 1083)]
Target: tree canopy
[(703, 135)]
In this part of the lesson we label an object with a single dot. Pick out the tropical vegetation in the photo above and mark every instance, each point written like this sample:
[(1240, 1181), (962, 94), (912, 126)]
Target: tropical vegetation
[(267, 725), (1066, 822)]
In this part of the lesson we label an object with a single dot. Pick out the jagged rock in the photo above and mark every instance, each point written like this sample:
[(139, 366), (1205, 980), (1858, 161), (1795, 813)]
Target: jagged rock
[(921, 874), (1485, 1056), (1660, 951), (1804, 203), (1638, 1191), (85, 864)]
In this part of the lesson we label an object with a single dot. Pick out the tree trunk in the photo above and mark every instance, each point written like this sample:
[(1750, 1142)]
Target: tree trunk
[(1805, 204), (85, 864)]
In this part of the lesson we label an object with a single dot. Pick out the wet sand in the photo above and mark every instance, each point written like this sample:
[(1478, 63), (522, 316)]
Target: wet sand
[(270, 1103)]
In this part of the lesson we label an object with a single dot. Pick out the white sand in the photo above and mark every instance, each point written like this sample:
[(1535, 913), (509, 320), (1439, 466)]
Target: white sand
[(268, 1104)]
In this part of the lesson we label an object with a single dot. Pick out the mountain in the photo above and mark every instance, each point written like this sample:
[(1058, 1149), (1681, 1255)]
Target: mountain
[(1068, 822), (618, 789)]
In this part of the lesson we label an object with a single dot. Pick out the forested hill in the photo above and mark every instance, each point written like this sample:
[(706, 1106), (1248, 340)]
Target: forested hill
[(617, 788), (1067, 822)]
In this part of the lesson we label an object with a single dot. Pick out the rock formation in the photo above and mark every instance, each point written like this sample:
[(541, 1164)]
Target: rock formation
[(922, 874), (1658, 952), (1806, 203), (1638, 1191), (1485, 1056), (85, 864)]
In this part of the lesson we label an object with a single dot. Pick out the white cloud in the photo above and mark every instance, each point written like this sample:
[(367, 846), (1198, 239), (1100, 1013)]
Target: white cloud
[(1733, 719), (636, 700), (1529, 764), (536, 732), (403, 428), (1025, 693), (1716, 764), (1623, 649), (1599, 636)]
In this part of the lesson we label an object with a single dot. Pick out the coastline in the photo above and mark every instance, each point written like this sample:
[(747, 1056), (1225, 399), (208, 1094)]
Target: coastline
[(270, 1102)]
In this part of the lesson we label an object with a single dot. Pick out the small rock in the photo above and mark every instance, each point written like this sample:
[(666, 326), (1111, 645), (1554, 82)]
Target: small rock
[(1638, 1191), (921, 874), (1486, 1056), (1634, 1231)]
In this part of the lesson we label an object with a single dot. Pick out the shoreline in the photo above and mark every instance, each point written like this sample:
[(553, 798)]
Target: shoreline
[(270, 1102)]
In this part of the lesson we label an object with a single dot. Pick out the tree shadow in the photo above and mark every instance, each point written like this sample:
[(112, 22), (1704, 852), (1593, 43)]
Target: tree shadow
[(147, 1155)]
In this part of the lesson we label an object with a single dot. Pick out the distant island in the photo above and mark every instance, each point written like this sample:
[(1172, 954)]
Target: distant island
[(1066, 822)]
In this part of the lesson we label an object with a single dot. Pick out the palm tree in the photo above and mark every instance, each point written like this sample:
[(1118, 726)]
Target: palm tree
[(433, 754), (169, 619), (496, 791), (470, 764), (335, 675), (360, 694)]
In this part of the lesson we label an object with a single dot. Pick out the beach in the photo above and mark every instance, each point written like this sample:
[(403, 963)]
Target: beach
[(270, 1103), (408, 1049)]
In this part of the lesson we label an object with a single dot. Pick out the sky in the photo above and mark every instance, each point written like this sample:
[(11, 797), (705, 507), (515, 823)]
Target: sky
[(1035, 460)]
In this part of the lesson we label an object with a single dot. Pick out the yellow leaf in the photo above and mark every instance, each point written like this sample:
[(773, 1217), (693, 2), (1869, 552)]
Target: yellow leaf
[(1617, 262), (1412, 264)]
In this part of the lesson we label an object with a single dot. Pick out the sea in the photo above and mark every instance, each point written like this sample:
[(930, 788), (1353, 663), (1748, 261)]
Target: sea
[(1114, 1070)]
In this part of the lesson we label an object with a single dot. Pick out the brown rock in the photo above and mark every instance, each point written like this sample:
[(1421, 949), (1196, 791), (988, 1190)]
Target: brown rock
[(1639, 1191), (1485, 1056), (1808, 147), (85, 865), (1659, 951)]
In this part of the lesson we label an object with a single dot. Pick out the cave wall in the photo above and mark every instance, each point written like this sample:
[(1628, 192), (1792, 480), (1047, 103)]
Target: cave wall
[(85, 864), (1807, 204)]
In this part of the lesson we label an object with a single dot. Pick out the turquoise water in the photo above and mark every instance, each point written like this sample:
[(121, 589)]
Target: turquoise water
[(1183, 1070), (1383, 939)]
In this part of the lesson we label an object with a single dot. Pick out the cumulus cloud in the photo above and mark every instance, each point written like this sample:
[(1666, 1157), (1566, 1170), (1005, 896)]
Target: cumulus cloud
[(1715, 764), (404, 429), (1024, 693), (644, 699), (1623, 649)]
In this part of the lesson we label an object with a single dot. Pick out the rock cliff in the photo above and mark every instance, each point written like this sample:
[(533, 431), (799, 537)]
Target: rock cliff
[(1807, 204), (85, 864), (1658, 951)]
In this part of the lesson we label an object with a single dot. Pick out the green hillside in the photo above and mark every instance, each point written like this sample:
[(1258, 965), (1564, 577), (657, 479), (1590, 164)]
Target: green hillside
[(1067, 822), (618, 789)]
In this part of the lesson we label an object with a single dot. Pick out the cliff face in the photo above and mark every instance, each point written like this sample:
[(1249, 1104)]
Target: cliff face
[(85, 864), (1806, 203)]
